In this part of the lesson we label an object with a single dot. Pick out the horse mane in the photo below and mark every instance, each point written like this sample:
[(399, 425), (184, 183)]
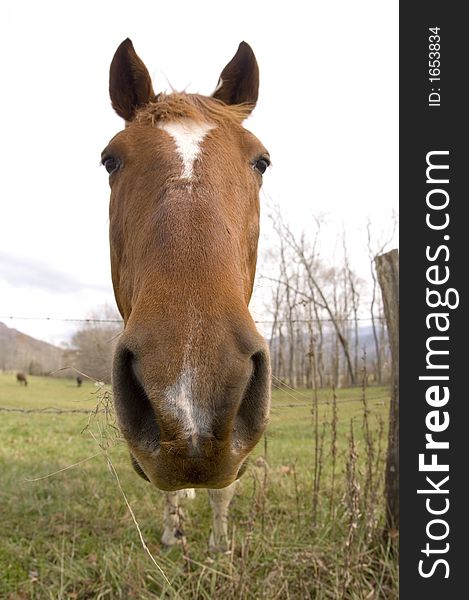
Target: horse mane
[(178, 106)]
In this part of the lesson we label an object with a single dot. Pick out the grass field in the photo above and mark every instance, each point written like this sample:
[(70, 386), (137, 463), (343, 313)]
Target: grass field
[(306, 522)]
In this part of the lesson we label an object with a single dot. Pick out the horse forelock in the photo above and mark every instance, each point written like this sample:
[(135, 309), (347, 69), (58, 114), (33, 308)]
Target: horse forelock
[(179, 106)]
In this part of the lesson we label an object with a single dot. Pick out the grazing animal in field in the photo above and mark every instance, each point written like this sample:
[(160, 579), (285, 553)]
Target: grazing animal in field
[(191, 373), (79, 381), (21, 378)]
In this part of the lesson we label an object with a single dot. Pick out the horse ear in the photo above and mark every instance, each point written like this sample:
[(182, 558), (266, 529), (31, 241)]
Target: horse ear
[(129, 82), (239, 80)]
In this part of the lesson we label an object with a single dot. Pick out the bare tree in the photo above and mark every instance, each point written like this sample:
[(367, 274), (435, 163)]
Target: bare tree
[(321, 299), (316, 308), (95, 343), (308, 292), (353, 284)]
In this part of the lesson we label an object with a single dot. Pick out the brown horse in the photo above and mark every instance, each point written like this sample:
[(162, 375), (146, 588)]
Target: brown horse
[(191, 373), (21, 378)]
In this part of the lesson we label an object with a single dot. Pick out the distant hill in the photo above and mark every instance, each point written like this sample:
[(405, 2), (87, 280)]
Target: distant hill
[(21, 352), (365, 341)]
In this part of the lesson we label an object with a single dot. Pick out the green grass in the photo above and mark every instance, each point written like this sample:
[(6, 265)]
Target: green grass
[(71, 535)]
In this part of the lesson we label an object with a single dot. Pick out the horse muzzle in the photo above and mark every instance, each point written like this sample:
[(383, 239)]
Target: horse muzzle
[(182, 434)]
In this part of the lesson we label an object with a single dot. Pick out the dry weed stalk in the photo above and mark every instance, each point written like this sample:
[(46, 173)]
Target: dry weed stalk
[(317, 454), (353, 497), (334, 421), (103, 418), (367, 435)]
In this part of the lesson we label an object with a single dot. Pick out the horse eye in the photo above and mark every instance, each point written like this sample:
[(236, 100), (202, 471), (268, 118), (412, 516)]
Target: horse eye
[(111, 164), (261, 164)]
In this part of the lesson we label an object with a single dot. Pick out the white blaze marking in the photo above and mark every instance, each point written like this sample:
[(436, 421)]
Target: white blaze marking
[(181, 403), (188, 137)]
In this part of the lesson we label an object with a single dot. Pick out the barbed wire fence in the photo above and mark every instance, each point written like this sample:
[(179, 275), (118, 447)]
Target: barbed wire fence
[(91, 411), (258, 321), (104, 404), (280, 384)]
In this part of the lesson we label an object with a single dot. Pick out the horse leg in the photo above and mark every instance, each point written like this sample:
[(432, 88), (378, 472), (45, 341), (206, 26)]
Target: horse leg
[(173, 532), (220, 502)]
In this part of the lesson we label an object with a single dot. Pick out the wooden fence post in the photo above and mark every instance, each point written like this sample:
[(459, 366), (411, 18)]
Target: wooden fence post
[(387, 269)]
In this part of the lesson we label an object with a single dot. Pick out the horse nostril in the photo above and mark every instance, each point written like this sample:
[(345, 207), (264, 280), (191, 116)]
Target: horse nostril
[(135, 412), (253, 412)]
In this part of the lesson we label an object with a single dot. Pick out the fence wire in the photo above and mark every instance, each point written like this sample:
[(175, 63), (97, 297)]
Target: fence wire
[(47, 410), (86, 411), (258, 321)]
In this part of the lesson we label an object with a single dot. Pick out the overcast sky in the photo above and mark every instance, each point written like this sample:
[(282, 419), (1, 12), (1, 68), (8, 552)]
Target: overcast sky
[(327, 112)]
